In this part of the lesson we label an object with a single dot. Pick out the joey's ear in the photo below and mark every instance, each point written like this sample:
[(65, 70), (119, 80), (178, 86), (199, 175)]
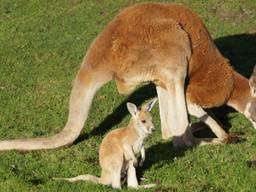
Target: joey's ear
[(149, 105), (132, 109), (252, 82)]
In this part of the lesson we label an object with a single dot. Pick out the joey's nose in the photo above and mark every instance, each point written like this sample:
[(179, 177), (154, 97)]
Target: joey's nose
[(153, 129)]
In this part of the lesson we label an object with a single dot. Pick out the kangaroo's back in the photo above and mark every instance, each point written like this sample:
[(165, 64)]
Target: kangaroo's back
[(209, 71)]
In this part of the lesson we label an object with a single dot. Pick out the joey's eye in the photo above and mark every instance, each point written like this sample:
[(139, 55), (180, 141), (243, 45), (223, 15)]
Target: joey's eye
[(143, 121)]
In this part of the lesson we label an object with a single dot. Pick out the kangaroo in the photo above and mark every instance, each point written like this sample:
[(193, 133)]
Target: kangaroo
[(165, 44), (119, 148)]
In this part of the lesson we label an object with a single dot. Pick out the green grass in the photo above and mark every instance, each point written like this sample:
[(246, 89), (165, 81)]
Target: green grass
[(41, 46)]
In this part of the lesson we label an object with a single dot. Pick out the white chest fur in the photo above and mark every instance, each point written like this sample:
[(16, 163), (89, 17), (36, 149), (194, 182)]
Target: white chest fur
[(137, 145)]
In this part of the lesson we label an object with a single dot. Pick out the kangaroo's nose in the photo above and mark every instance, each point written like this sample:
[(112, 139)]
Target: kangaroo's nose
[(153, 129)]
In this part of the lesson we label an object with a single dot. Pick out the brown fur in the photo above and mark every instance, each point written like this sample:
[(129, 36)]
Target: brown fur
[(240, 93)]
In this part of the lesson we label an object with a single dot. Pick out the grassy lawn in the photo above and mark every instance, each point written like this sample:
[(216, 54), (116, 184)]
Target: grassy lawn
[(41, 46)]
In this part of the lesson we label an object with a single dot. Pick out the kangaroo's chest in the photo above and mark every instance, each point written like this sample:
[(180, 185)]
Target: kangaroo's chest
[(138, 144)]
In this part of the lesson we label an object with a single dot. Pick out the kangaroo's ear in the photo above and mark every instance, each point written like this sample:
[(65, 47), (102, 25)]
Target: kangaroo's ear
[(132, 108), (252, 82), (149, 105)]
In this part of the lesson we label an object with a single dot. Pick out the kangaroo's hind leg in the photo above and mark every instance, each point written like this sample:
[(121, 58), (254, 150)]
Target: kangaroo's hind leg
[(172, 58), (173, 108), (131, 176), (106, 177), (111, 168), (222, 136), (163, 110), (204, 117), (116, 177)]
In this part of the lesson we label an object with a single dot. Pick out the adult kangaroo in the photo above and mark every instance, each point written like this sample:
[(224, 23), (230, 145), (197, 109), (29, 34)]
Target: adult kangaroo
[(165, 44)]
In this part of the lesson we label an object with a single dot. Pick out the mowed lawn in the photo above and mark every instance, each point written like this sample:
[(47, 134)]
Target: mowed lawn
[(41, 46)]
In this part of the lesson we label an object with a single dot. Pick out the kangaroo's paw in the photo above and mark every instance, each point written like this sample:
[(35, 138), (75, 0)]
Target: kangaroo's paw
[(234, 138)]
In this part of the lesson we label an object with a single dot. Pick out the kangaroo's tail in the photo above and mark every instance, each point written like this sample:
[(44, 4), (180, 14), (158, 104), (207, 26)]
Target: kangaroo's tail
[(86, 84), (87, 177)]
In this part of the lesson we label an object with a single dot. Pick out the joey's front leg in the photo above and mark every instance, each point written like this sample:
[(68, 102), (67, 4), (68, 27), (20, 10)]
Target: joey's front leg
[(142, 153), (129, 154)]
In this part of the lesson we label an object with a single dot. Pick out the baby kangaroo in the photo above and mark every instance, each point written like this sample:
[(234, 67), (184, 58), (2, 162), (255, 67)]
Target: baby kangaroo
[(120, 147)]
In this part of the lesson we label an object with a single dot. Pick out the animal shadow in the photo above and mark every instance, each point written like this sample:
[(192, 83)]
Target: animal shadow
[(160, 154), (240, 50)]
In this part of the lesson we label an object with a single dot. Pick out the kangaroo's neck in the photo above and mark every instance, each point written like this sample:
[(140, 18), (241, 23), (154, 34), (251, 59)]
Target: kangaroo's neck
[(240, 94)]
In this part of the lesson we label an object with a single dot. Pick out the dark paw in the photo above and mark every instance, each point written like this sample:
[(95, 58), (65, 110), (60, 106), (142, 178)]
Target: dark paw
[(234, 138)]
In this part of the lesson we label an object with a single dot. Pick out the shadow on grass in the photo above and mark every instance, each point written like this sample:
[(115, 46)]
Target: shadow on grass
[(240, 50), (160, 154), (220, 114), (137, 97)]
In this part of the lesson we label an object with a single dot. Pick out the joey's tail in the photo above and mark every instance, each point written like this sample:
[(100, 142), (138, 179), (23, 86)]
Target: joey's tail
[(87, 177), (96, 180), (85, 86)]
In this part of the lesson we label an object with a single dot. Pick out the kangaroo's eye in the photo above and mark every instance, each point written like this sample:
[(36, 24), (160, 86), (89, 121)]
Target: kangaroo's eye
[(143, 121)]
